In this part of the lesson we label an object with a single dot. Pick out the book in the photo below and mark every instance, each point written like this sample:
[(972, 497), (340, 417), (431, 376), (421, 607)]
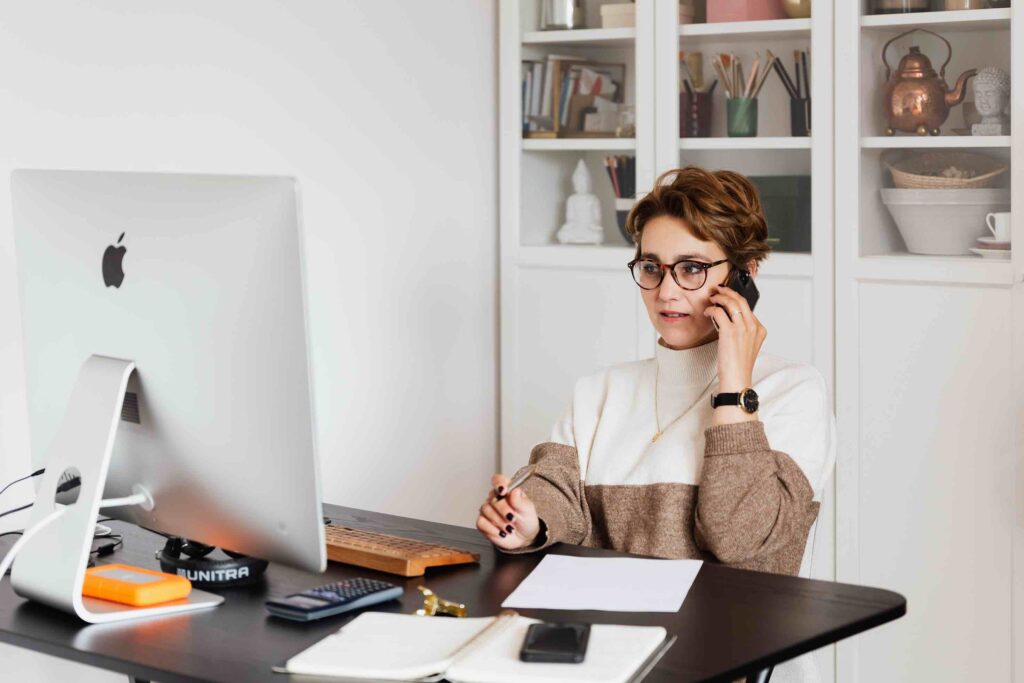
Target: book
[(406, 647)]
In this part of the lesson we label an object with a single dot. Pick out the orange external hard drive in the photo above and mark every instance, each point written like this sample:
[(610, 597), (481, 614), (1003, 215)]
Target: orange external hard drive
[(134, 585)]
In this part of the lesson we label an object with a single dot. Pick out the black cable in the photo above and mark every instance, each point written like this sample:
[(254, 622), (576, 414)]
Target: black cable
[(29, 476), (108, 548), (68, 484), (11, 512)]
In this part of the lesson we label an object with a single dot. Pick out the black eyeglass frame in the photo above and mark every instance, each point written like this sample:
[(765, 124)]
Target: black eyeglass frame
[(672, 269)]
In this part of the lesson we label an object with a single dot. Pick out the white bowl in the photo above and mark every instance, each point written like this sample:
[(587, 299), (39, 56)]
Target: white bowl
[(943, 222)]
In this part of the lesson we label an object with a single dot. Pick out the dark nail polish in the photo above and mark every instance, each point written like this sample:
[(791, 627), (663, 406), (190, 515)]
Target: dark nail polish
[(509, 516), (499, 498), (508, 528), (502, 534), (500, 489)]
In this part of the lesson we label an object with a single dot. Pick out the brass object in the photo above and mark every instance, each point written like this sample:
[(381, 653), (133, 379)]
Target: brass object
[(916, 99), (434, 605), (797, 9)]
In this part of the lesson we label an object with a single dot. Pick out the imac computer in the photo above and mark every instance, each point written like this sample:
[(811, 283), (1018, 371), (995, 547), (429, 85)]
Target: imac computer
[(167, 368)]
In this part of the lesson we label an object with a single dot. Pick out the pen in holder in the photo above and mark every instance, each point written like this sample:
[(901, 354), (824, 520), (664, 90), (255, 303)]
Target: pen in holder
[(741, 117), (694, 114), (799, 116)]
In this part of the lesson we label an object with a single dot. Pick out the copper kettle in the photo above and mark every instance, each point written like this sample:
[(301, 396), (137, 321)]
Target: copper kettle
[(916, 99)]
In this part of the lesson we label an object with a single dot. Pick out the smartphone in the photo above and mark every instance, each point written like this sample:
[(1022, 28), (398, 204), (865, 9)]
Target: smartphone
[(740, 281), (556, 643)]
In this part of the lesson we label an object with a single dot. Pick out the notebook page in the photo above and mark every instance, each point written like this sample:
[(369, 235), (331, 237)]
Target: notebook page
[(614, 653), (388, 646)]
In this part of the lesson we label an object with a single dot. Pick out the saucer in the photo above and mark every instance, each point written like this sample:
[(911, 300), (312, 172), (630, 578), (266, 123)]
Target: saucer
[(1002, 254), (993, 243)]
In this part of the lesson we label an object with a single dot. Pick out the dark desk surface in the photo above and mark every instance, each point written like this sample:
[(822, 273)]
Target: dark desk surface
[(732, 622)]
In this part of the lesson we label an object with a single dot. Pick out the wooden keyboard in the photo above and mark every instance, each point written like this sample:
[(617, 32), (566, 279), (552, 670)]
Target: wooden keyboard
[(392, 554)]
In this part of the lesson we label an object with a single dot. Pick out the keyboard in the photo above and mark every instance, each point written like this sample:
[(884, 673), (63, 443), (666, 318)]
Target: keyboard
[(391, 554)]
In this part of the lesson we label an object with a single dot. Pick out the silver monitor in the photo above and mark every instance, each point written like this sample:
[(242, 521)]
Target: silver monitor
[(199, 280)]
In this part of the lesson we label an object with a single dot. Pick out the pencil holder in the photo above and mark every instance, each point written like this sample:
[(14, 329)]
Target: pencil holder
[(800, 117), (741, 117), (694, 115)]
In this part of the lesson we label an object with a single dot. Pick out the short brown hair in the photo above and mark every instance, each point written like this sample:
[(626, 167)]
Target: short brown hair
[(717, 206)]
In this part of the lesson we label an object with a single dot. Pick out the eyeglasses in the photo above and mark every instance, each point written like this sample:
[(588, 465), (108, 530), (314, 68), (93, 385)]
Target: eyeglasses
[(690, 275)]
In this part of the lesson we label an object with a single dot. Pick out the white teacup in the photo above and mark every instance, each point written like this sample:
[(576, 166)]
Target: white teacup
[(999, 225)]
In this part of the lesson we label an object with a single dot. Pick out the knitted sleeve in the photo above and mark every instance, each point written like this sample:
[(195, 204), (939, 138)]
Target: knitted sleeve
[(755, 504), (557, 493)]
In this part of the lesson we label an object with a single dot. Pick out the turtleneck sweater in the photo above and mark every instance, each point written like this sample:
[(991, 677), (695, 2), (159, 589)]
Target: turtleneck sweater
[(743, 494)]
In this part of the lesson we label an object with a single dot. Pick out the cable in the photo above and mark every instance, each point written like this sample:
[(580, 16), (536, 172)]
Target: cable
[(108, 548), (11, 512), (28, 534), (29, 476)]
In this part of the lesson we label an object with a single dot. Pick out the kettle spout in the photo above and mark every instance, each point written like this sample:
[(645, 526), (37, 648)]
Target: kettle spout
[(956, 95)]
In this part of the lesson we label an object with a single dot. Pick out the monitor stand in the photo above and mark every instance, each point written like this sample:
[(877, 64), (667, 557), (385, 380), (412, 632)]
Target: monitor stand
[(50, 567)]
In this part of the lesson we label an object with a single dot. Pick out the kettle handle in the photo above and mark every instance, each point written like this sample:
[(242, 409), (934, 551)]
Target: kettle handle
[(949, 51)]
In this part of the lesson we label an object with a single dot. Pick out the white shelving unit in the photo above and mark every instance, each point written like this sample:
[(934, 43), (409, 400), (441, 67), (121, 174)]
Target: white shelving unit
[(930, 372), (928, 352)]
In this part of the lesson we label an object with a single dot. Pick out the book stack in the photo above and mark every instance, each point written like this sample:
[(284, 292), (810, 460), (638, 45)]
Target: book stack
[(559, 92)]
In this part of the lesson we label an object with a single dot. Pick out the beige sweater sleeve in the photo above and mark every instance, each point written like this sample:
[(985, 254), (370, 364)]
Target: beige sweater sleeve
[(557, 493), (754, 507)]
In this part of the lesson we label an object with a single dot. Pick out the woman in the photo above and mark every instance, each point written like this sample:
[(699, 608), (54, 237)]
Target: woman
[(642, 462)]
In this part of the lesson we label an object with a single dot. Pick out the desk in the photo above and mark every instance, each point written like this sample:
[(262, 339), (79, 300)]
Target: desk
[(732, 623)]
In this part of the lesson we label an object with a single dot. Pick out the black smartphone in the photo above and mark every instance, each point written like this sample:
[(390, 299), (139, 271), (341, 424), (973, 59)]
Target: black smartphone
[(740, 281), (556, 643)]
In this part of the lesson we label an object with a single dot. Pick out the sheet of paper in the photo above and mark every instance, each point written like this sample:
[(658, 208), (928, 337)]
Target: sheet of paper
[(613, 584)]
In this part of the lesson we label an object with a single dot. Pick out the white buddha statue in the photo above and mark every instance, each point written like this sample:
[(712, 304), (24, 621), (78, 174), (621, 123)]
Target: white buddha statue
[(991, 95), (582, 212)]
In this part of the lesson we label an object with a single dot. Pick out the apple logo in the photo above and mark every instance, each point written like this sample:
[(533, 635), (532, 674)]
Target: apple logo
[(113, 273)]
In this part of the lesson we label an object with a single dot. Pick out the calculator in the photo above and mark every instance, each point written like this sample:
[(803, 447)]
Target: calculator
[(333, 598)]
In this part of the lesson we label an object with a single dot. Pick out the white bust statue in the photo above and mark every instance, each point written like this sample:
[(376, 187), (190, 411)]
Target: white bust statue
[(991, 95), (582, 212)]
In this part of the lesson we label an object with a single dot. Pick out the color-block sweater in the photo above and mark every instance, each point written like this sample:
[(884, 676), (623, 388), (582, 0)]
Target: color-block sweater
[(742, 494)]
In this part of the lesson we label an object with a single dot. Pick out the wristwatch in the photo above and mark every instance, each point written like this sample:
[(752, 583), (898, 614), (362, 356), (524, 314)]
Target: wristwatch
[(746, 399)]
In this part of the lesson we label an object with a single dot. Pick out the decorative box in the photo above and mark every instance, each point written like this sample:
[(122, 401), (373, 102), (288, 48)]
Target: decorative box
[(623, 15), (744, 10)]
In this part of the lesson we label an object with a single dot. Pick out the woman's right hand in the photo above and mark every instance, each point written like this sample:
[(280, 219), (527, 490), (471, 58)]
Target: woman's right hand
[(509, 522)]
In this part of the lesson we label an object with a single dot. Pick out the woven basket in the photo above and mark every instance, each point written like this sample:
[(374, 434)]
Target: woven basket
[(921, 171)]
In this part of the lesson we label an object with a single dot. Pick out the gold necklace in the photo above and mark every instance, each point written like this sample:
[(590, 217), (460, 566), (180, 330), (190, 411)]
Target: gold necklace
[(657, 418)]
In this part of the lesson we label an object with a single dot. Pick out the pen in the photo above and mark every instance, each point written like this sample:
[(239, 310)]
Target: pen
[(518, 480)]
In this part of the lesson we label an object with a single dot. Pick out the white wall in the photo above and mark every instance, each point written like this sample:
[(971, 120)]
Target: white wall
[(386, 112)]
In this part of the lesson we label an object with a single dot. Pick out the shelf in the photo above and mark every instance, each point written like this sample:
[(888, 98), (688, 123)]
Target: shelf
[(746, 143), (581, 256), (582, 37), (578, 144), (615, 257), (744, 31), (933, 141), (959, 20), (787, 264), (941, 269)]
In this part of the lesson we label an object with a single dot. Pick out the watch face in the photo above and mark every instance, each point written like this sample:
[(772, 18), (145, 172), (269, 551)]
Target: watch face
[(750, 401)]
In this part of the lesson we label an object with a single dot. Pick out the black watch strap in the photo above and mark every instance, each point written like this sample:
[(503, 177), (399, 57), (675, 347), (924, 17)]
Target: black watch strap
[(725, 399), (746, 399)]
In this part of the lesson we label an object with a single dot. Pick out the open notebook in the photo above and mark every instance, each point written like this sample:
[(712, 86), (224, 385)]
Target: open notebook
[(404, 647)]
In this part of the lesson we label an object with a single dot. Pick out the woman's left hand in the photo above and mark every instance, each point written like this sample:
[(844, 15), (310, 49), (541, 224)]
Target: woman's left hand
[(740, 336)]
